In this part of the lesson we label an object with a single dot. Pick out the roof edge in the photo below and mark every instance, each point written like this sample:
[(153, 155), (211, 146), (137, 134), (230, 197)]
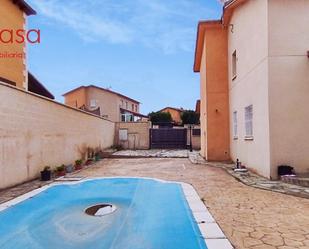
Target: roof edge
[(173, 108), (200, 41), (50, 95), (25, 7)]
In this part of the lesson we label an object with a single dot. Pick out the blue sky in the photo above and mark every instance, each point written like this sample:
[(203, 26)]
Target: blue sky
[(141, 48)]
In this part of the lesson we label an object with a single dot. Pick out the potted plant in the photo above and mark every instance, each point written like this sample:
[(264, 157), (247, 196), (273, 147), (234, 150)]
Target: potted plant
[(97, 156), (60, 170), (89, 161), (46, 174), (78, 164), (69, 168)]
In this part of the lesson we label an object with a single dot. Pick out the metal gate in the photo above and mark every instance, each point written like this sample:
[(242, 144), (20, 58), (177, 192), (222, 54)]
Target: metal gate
[(168, 138)]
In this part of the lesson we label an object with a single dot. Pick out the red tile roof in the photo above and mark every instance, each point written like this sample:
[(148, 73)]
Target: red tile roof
[(103, 89), (173, 108), (134, 113)]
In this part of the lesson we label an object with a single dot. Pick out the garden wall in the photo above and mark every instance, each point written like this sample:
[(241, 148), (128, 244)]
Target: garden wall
[(132, 135), (36, 131)]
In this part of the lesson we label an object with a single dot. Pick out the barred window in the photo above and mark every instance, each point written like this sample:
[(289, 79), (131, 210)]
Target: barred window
[(249, 120), (235, 126)]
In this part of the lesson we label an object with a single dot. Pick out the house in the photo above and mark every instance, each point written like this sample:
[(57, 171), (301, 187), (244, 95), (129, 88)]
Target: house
[(175, 113), (13, 57), (13, 64), (104, 102), (254, 74)]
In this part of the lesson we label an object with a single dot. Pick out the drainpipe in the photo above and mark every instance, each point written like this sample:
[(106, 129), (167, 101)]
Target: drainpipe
[(190, 127)]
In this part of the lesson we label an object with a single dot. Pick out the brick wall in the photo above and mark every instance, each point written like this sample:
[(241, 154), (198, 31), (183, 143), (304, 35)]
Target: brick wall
[(35, 132)]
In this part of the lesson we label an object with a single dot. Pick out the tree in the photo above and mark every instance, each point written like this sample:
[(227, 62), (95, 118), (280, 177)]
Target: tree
[(190, 117), (160, 117)]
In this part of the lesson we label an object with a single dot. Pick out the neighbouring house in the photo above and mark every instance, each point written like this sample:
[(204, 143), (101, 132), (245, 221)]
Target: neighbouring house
[(13, 57), (175, 113), (105, 102), (13, 69), (254, 73)]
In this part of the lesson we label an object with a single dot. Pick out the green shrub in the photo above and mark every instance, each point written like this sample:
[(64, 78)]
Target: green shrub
[(160, 117)]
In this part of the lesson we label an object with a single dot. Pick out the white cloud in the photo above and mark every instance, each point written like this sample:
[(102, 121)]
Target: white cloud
[(167, 25)]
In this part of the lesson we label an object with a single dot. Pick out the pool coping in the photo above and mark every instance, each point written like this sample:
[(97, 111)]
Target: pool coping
[(209, 228)]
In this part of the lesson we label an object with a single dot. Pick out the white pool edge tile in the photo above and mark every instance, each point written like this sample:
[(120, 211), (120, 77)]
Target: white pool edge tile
[(215, 239), (218, 244), (195, 204)]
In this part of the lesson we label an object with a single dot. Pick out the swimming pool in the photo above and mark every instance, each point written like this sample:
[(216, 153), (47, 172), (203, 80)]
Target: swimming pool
[(150, 214)]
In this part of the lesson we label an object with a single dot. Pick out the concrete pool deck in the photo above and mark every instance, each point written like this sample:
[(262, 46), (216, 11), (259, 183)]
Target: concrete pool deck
[(249, 217)]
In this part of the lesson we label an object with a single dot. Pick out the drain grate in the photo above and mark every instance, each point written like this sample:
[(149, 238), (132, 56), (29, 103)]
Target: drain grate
[(100, 210)]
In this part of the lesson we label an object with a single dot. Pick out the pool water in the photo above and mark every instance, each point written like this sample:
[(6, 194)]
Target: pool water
[(150, 215)]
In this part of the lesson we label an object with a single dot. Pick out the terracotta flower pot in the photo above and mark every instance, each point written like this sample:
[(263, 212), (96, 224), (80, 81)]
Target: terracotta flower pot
[(61, 173), (78, 167)]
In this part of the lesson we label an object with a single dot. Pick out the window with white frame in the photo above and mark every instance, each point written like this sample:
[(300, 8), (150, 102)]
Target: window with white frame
[(235, 128), (93, 103), (249, 121), (127, 117)]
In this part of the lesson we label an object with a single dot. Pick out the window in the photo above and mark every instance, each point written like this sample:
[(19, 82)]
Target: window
[(135, 108), (234, 65), (235, 128), (121, 103), (127, 105), (93, 103), (123, 134), (249, 121), (126, 117), (132, 107)]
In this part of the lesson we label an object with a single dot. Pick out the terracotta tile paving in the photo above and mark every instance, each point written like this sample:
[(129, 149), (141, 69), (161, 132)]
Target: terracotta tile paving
[(250, 217)]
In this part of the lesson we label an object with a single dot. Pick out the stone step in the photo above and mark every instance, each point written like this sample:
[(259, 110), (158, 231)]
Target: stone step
[(301, 181)]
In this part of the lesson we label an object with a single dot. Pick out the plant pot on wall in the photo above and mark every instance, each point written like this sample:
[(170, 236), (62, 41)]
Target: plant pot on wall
[(69, 168), (78, 164), (46, 174), (89, 161), (60, 170), (97, 156)]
